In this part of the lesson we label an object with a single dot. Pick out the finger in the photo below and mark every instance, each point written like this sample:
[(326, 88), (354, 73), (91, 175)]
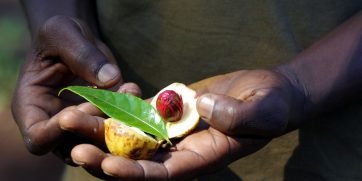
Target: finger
[(191, 159), (40, 133), (90, 158), (64, 146), (106, 51), (123, 168), (236, 117), (128, 169), (90, 109), (62, 37), (77, 132), (130, 88), (94, 160), (80, 123)]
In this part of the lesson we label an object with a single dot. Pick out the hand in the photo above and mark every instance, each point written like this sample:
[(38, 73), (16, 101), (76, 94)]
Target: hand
[(64, 53), (245, 110), (257, 102)]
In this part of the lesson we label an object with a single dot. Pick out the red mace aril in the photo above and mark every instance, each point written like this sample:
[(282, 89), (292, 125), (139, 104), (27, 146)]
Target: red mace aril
[(170, 105)]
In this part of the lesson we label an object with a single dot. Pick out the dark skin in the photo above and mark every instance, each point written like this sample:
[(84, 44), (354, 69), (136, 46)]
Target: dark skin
[(65, 51), (208, 148), (244, 109)]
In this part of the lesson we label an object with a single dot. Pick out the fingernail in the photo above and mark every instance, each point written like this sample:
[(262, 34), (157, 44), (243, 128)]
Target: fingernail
[(78, 162), (129, 91), (206, 106), (107, 73), (108, 173), (63, 128)]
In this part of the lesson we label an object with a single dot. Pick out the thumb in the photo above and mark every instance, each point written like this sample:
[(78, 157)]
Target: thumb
[(236, 117), (70, 40), (219, 111)]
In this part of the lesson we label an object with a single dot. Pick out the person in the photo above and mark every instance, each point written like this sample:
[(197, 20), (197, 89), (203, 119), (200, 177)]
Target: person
[(267, 67)]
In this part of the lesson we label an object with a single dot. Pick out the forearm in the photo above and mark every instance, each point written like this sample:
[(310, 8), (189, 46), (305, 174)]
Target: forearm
[(329, 73), (38, 11)]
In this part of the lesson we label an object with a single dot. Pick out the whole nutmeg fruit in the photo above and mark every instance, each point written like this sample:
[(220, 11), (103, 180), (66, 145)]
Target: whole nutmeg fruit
[(170, 105)]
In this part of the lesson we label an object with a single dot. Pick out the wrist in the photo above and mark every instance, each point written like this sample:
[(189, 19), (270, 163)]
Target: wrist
[(39, 11), (299, 104)]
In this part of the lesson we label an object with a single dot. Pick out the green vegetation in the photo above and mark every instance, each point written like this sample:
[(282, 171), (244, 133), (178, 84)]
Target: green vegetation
[(130, 110), (13, 43)]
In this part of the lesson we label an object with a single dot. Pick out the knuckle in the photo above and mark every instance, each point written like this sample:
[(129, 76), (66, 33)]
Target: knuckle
[(233, 118), (84, 52), (57, 21), (131, 88), (68, 117), (50, 33), (53, 24), (227, 116), (33, 141), (33, 145)]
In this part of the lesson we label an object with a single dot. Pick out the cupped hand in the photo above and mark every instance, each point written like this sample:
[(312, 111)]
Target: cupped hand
[(64, 52), (244, 109)]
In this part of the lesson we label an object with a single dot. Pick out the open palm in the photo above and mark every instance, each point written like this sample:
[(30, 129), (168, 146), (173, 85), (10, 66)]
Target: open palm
[(248, 109)]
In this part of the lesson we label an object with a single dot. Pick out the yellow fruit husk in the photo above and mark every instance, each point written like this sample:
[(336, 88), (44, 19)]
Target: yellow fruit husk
[(127, 141)]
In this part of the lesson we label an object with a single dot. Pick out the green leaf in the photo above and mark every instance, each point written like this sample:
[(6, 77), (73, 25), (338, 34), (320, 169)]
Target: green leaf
[(129, 109)]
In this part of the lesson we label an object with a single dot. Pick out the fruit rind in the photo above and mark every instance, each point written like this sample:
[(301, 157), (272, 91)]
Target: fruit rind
[(128, 141), (190, 117)]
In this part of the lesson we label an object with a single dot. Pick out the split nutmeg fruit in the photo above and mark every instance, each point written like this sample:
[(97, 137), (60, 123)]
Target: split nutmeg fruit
[(176, 104)]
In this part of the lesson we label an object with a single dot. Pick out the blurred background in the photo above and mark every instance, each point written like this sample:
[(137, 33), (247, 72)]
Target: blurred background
[(16, 163)]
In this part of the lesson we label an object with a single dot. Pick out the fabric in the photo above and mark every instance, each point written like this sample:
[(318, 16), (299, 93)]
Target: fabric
[(160, 42)]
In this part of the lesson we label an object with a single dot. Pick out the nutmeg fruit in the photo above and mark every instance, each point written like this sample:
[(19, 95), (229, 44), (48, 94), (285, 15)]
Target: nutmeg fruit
[(170, 105), (179, 108)]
